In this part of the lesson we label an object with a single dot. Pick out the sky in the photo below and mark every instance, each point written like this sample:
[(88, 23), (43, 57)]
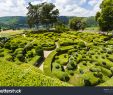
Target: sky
[(82, 8)]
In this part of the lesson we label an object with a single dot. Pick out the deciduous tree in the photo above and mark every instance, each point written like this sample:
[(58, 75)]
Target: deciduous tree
[(105, 16)]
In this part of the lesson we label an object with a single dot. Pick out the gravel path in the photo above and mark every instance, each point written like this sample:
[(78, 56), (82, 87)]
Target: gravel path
[(46, 54)]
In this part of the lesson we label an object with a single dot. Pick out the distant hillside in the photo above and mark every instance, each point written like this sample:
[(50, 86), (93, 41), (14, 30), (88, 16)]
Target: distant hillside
[(90, 21), (13, 22), (16, 22), (65, 19)]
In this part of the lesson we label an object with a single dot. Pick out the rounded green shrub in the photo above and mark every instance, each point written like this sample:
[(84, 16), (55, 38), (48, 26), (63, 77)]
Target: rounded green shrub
[(57, 66), (71, 66), (56, 57), (71, 73), (20, 57), (1, 54), (87, 82), (109, 51), (111, 69), (58, 49), (1, 50), (81, 71), (39, 51), (81, 44), (14, 46), (94, 69), (63, 76), (103, 63), (29, 54), (19, 51), (98, 74), (7, 45)]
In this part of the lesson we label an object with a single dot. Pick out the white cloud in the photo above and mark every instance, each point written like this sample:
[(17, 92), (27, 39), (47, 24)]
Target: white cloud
[(77, 7), (66, 7), (12, 7), (96, 8), (92, 2)]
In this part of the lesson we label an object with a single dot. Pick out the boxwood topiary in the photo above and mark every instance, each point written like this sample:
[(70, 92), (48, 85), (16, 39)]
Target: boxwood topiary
[(87, 82), (1, 54), (94, 69), (63, 76), (71, 66), (7, 45), (111, 69), (39, 51), (81, 44), (20, 57), (98, 74), (14, 46)]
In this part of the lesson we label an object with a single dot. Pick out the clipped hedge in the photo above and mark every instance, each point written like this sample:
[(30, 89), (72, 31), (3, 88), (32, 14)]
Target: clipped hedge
[(25, 75), (107, 83), (47, 63), (35, 60), (49, 48)]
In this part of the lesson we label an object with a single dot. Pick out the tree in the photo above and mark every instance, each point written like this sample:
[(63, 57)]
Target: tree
[(49, 14), (44, 14), (33, 14), (105, 16), (77, 23)]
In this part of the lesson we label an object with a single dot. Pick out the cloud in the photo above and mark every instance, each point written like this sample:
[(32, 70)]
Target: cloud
[(12, 7), (93, 2), (83, 8), (66, 7), (95, 8)]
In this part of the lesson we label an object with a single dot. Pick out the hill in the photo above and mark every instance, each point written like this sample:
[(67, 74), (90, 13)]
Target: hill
[(21, 21), (13, 22)]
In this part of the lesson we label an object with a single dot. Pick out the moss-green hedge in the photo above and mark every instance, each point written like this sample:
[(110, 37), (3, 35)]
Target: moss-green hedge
[(25, 75), (107, 83), (35, 60), (47, 63)]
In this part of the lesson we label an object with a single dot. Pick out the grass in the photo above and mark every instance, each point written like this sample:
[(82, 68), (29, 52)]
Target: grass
[(9, 33)]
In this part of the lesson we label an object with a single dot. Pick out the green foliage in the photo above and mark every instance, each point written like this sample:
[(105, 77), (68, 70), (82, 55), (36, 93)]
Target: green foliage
[(106, 72), (63, 59), (81, 58), (44, 13), (63, 76), (105, 16), (90, 22), (81, 44), (61, 28), (77, 24), (13, 22), (57, 66), (47, 63), (25, 75), (71, 66), (107, 83), (39, 51), (93, 69), (35, 60)]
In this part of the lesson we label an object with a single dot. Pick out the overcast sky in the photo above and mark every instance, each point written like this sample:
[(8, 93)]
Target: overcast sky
[(66, 7)]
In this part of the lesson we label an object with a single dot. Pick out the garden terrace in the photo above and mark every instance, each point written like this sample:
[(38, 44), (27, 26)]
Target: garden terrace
[(78, 58)]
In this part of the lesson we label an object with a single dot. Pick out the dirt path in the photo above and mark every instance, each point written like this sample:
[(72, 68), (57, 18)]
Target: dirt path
[(46, 54)]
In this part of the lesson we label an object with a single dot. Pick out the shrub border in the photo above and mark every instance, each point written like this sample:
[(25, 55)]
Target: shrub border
[(47, 63)]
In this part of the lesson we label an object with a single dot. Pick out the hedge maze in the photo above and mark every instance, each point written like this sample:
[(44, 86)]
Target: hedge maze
[(81, 59)]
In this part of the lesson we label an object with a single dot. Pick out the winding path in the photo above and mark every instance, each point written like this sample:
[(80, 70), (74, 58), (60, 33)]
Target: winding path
[(46, 54)]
